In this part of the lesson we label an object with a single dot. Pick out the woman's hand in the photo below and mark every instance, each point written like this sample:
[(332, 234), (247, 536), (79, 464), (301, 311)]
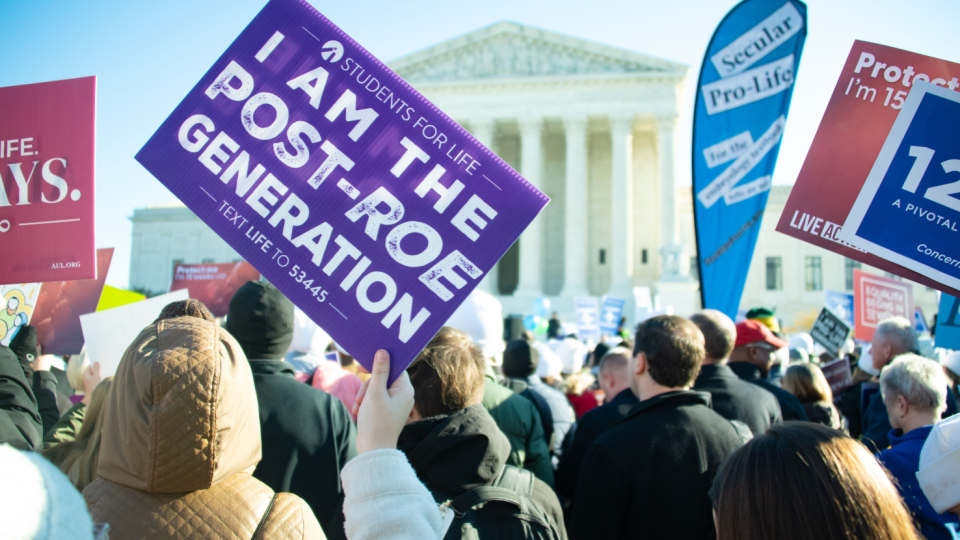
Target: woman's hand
[(382, 412), (91, 378)]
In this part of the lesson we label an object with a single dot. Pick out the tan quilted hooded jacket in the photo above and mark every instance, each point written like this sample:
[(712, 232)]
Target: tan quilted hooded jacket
[(181, 435)]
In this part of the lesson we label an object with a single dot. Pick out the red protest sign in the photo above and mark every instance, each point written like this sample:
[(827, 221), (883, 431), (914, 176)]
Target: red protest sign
[(213, 284), (46, 181), (865, 103), (60, 305), (878, 298)]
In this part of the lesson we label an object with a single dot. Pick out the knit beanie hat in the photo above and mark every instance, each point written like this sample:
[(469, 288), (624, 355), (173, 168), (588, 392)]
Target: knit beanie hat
[(261, 320), (939, 474), (550, 364), (766, 316), (572, 354), (480, 316), (519, 360), (38, 501)]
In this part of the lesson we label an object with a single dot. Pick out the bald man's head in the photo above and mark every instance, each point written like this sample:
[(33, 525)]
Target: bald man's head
[(719, 334), (614, 377)]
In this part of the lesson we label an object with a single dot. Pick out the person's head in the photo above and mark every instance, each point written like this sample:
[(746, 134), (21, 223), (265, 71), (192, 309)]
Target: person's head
[(803, 480), (77, 364), (803, 342), (182, 414), (614, 375), (667, 353), (39, 501), (893, 337), (807, 382), (447, 376), (799, 355), (519, 359), (186, 308), (765, 316), (598, 353), (481, 317), (939, 474), (78, 458), (951, 368), (719, 334), (261, 320), (914, 389), (757, 345), (572, 354)]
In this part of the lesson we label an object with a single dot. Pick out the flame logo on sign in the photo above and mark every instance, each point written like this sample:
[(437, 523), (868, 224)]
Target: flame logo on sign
[(332, 51)]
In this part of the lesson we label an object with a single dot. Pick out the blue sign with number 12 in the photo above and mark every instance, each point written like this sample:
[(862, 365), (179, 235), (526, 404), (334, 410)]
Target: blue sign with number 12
[(909, 208)]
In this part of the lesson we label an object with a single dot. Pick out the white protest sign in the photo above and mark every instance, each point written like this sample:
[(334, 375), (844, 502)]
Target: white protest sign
[(108, 333)]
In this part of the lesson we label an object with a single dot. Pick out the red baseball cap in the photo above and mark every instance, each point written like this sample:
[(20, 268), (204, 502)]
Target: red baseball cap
[(752, 331)]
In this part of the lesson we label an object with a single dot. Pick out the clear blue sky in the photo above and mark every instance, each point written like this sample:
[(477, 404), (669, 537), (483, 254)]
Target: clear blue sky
[(147, 55)]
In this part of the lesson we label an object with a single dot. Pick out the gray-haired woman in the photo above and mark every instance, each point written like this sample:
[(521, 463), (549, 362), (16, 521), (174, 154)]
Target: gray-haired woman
[(914, 389)]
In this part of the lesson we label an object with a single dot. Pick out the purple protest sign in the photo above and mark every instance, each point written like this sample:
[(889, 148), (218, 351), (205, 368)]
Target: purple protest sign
[(368, 207)]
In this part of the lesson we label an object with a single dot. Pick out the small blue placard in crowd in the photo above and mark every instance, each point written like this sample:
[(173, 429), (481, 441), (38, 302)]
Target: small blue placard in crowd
[(610, 315), (588, 320)]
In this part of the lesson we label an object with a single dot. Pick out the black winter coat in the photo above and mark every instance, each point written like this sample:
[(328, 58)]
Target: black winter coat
[(649, 475), (307, 437), (20, 423), (790, 406), (738, 400), (586, 431), (452, 454)]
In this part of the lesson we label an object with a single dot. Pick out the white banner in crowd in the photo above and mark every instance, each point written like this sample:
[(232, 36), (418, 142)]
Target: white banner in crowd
[(108, 333)]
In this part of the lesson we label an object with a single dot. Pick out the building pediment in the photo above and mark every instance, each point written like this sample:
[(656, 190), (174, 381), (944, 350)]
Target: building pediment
[(508, 50)]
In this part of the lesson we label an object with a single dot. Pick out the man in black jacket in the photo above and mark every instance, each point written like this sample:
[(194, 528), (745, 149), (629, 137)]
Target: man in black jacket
[(307, 435), (454, 445), (649, 475), (614, 376), (751, 359), (732, 398)]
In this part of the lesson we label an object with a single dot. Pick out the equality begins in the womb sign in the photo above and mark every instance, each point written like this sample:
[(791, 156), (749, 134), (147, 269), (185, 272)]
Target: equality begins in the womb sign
[(361, 201), (46, 181)]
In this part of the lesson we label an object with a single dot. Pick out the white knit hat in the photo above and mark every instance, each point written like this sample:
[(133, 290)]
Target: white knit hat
[(866, 361), (802, 341), (480, 316), (550, 364), (572, 354), (38, 501), (952, 361), (939, 474)]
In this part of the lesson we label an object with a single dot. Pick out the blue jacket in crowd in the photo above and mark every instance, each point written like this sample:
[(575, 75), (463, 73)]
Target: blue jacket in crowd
[(876, 424), (902, 459)]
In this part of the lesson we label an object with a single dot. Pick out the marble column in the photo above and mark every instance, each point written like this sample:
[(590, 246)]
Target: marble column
[(621, 249), (483, 129), (575, 212), (671, 251), (531, 241)]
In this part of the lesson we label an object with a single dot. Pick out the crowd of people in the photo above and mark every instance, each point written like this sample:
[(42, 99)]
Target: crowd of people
[(259, 426)]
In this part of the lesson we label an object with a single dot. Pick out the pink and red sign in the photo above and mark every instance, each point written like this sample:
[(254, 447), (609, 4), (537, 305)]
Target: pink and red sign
[(876, 299), (61, 303), (872, 89), (213, 284), (46, 181)]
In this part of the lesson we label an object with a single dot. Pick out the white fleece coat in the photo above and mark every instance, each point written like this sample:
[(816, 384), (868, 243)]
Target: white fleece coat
[(384, 500)]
